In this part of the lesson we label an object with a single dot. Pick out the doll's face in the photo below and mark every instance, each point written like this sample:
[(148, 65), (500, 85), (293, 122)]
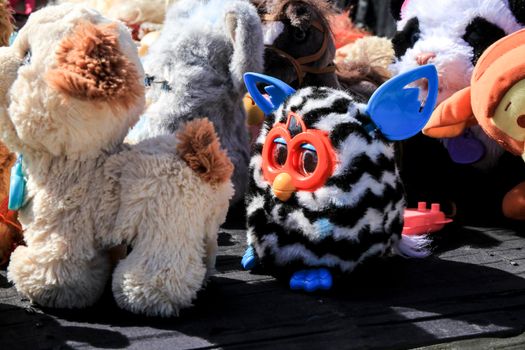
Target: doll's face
[(452, 35), (510, 113)]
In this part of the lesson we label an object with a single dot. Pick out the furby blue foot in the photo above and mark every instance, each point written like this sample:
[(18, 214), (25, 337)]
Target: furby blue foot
[(311, 280), (249, 260)]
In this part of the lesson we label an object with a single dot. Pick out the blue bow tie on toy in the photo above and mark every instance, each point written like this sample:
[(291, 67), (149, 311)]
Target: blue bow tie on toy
[(394, 109)]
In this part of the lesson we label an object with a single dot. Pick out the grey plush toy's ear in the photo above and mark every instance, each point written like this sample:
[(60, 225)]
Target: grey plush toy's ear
[(517, 7), (245, 30)]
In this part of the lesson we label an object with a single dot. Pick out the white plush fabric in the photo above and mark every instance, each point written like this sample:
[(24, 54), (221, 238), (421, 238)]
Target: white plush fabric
[(130, 11), (87, 191), (442, 24)]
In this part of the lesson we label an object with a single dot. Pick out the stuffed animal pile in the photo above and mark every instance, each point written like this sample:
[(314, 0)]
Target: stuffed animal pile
[(71, 86), (495, 100), (452, 35), (115, 149)]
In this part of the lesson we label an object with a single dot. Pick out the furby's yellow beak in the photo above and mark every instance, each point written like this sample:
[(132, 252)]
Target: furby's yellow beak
[(283, 187)]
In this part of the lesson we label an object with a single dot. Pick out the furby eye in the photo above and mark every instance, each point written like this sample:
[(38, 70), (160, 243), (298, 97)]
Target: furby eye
[(280, 151), (27, 58), (309, 159)]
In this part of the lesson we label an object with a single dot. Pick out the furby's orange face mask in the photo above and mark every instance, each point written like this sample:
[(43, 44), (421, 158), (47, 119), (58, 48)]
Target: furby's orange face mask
[(296, 158)]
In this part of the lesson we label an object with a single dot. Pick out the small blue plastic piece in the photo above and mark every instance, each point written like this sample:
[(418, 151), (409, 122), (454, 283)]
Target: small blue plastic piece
[(17, 186), (311, 280), (12, 38), (276, 89), (280, 140), (396, 111), (308, 147), (249, 259)]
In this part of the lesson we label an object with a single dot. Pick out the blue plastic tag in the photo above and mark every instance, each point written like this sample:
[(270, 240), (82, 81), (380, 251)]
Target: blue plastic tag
[(17, 186)]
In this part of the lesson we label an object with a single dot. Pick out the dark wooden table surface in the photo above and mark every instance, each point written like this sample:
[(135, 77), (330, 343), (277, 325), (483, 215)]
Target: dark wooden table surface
[(470, 294)]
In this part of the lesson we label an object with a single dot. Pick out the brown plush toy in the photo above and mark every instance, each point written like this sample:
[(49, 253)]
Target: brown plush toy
[(10, 229)]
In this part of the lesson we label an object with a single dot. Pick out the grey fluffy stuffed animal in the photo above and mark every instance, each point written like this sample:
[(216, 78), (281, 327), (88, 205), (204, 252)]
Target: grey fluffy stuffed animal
[(195, 69)]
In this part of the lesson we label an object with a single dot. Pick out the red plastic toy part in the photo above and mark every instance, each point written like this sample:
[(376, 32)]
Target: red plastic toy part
[(306, 155), (423, 221)]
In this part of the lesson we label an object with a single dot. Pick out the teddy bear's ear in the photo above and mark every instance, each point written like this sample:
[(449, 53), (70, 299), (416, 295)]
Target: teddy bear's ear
[(199, 147), (90, 66)]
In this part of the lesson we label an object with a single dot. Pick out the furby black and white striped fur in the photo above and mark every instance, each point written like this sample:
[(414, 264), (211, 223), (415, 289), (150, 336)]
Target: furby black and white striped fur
[(357, 214)]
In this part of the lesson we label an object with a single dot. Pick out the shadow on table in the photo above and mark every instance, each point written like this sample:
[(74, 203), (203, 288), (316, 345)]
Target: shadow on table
[(393, 303), (29, 328)]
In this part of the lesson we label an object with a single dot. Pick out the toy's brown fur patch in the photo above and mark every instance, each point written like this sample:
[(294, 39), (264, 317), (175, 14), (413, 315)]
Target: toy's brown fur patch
[(6, 23), (7, 160), (199, 147), (361, 78), (91, 67)]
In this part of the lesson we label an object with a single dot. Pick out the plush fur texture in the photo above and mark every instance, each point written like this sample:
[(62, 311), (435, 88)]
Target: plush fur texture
[(355, 215), (6, 23), (10, 229), (375, 50), (80, 75), (87, 191), (129, 11), (291, 30), (442, 28), (452, 35), (10, 235), (200, 149), (195, 69)]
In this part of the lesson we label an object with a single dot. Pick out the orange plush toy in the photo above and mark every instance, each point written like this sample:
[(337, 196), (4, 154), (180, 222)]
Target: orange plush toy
[(10, 229), (496, 101)]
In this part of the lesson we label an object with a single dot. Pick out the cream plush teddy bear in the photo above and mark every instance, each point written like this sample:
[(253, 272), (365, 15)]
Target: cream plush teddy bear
[(71, 86)]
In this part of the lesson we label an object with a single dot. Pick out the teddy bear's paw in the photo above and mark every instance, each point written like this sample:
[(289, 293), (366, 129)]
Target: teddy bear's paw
[(160, 293), (57, 283)]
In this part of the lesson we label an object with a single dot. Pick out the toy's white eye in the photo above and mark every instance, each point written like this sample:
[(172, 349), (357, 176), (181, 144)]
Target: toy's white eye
[(27, 58), (309, 159), (280, 151)]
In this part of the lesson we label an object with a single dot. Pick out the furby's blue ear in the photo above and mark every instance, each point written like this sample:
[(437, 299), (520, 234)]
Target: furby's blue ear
[(396, 111), (277, 90)]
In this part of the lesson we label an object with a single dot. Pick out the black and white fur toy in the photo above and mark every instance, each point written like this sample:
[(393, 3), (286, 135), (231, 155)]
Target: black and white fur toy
[(452, 35), (356, 211)]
